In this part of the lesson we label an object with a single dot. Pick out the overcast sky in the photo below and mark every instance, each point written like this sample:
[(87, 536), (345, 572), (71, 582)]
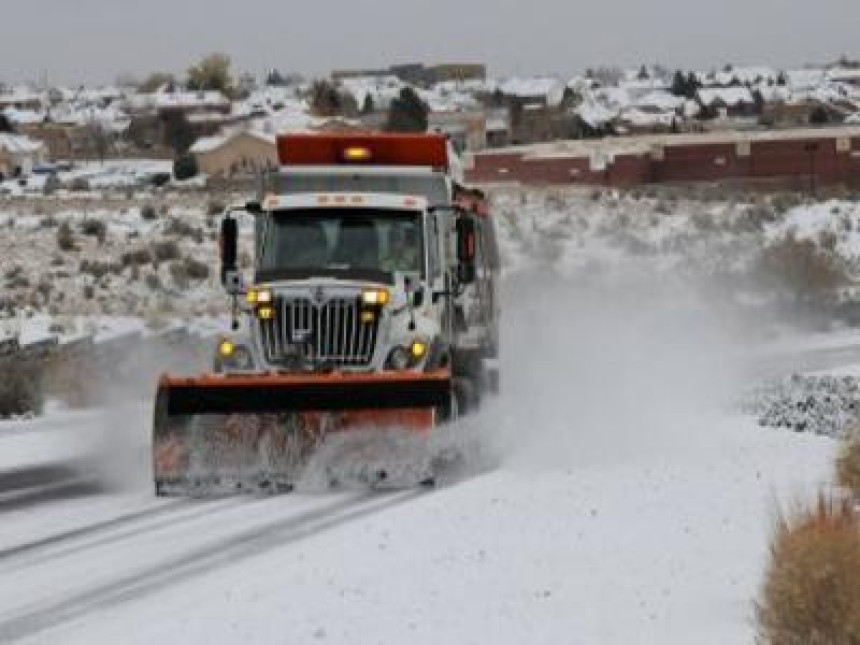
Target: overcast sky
[(74, 41)]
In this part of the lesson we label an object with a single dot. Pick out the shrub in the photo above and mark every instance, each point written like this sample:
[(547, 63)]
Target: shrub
[(79, 184), (65, 237), (181, 228), (20, 388), (811, 591), (185, 167), (94, 228), (196, 270), (165, 251), (848, 464), (148, 212), (136, 257), (215, 208), (98, 269), (801, 267)]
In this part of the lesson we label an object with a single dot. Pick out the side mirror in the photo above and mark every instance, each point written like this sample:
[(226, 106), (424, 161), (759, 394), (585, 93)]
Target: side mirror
[(467, 245), (229, 248)]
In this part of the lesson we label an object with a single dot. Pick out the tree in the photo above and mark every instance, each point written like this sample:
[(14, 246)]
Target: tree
[(643, 74), (325, 99), (274, 78), (407, 113), (178, 133), (99, 139), (211, 73), (368, 106), (782, 79), (679, 84), (6, 124), (185, 167), (819, 116), (156, 80)]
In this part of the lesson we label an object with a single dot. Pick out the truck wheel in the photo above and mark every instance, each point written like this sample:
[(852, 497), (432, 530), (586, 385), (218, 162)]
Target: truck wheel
[(468, 396)]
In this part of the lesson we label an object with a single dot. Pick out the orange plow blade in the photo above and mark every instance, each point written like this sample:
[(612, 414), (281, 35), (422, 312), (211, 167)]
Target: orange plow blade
[(217, 432)]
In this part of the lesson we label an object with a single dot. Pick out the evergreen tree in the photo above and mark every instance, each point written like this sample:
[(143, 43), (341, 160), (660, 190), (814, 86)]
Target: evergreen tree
[(368, 105), (325, 99), (407, 113), (178, 132)]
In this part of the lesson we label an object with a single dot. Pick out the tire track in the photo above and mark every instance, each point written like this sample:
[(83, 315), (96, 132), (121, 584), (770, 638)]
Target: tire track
[(221, 553)]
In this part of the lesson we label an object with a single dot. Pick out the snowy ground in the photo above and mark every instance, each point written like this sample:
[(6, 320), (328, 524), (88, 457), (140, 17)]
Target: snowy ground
[(631, 502)]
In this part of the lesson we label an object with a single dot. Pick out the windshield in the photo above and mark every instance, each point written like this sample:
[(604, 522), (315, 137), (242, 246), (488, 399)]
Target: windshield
[(354, 242)]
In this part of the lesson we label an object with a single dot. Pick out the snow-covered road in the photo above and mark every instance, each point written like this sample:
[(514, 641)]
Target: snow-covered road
[(630, 505), (649, 550)]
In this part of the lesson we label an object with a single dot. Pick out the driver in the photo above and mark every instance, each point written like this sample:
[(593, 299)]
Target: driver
[(402, 255)]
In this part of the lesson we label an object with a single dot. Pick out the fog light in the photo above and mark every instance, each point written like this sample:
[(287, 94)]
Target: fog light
[(419, 350), (226, 348), (367, 317)]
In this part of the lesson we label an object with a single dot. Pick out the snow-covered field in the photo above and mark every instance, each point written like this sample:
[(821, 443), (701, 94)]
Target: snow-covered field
[(631, 501)]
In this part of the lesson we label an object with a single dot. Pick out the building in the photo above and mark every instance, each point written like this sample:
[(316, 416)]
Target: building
[(241, 152), (465, 130), (459, 72), (19, 155), (799, 158)]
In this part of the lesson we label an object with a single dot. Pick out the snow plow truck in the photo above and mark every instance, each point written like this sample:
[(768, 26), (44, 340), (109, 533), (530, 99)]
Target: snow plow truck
[(372, 311)]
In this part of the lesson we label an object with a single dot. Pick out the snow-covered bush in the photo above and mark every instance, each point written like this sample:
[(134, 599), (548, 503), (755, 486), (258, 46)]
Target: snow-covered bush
[(811, 590), (822, 405)]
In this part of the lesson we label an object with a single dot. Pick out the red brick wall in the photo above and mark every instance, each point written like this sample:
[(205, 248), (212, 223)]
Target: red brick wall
[(785, 159)]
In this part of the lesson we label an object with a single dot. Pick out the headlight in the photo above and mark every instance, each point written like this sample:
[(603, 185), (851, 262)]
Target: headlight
[(375, 297), (259, 296), (226, 348)]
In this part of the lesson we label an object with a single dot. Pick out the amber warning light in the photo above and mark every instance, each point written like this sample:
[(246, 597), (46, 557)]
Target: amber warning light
[(429, 150)]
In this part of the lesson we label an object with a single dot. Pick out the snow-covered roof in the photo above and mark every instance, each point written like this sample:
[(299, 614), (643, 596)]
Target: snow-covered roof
[(640, 118), (661, 100), (19, 144), (805, 79), (23, 116), (746, 75), (730, 96), (208, 144), (19, 94), (547, 88), (595, 114)]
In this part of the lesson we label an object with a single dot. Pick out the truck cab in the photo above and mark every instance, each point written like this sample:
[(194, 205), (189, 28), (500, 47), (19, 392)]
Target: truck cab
[(369, 256)]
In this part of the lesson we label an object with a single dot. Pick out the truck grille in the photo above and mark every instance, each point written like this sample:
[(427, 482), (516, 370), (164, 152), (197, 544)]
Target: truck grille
[(308, 334)]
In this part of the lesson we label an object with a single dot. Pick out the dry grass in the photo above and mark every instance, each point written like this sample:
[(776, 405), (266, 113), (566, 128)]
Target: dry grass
[(811, 593)]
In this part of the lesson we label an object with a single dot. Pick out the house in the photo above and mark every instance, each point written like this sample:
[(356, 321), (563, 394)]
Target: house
[(241, 152), (547, 92), (727, 102), (498, 127), (19, 155), (465, 130), (20, 98)]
